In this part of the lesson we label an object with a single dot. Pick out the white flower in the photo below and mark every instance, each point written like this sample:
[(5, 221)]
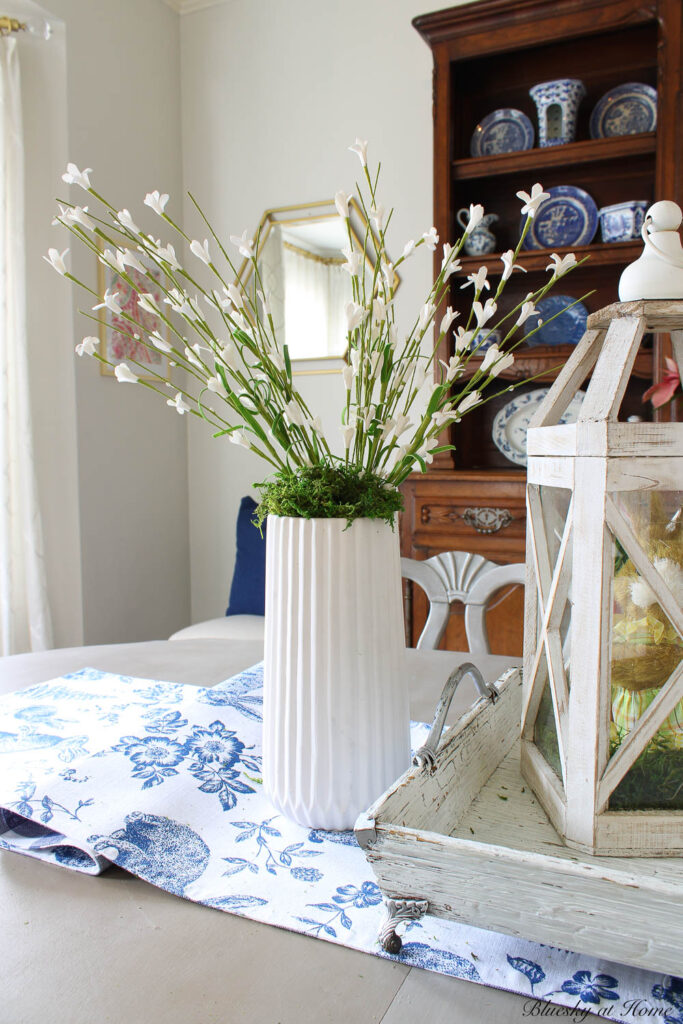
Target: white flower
[(110, 258), (156, 201), (348, 373), (215, 384), (532, 202), (441, 418), (509, 264), (111, 300), (125, 257), (248, 402), (242, 322), (408, 249), (528, 309), (264, 303), (449, 266), (167, 254), (355, 360), (485, 312), (341, 201), (201, 251), (147, 302), (387, 429), (478, 280), (377, 214), (193, 358), (355, 315), (463, 339), (452, 368), (468, 401), (495, 361), (425, 452), (230, 356), (87, 347), (79, 215), (353, 261), (393, 335), (244, 244), (179, 404), (431, 239), (403, 423), (388, 273), (426, 314), (160, 342), (294, 413), (446, 321), (379, 309), (124, 374), (347, 434), (475, 218), (366, 415), (236, 296), (125, 220), (560, 266), (361, 149), (316, 425), (56, 260), (239, 437), (73, 176)]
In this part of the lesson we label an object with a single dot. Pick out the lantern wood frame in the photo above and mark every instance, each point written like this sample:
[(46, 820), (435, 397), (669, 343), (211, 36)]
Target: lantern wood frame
[(593, 458)]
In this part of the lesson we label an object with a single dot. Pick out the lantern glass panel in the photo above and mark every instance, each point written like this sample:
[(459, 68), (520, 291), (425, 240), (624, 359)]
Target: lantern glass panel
[(646, 647), (545, 730)]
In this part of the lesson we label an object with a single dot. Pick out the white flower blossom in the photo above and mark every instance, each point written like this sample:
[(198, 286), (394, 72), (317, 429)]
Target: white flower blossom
[(124, 374), (348, 435), (244, 244), (201, 251), (354, 356), (79, 215), (360, 147), (495, 361), (159, 342), (531, 203), (528, 310), (127, 258), (316, 425), (87, 347), (125, 220), (294, 413), (403, 423), (265, 306), (193, 358), (167, 255), (147, 302), (478, 280), (156, 201), (377, 215), (509, 264), (393, 335), (239, 437), (56, 260), (179, 404), (408, 249), (230, 356), (215, 384), (73, 176), (387, 429), (448, 265), (468, 401), (111, 300), (431, 239), (463, 339), (560, 266), (485, 312), (475, 217), (447, 319), (355, 315), (353, 261), (426, 314), (348, 373), (341, 201), (452, 368), (236, 296)]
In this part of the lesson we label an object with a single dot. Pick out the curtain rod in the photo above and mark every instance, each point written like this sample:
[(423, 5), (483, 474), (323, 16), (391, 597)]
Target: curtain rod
[(40, 28)]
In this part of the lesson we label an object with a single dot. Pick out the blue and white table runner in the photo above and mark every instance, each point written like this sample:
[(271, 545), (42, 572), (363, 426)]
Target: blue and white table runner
[(163, 779)]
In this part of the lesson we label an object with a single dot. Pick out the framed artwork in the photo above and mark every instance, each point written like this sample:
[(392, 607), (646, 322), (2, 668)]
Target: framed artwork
[(116, 345)]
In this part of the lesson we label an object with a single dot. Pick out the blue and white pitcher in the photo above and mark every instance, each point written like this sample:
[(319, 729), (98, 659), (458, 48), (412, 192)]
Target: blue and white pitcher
[(482, 240)]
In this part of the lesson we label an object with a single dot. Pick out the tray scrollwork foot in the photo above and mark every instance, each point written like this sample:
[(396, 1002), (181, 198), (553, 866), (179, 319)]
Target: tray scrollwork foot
[(397, 912)]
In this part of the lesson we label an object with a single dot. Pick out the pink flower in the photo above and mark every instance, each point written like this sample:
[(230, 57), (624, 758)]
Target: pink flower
[(660, 394)]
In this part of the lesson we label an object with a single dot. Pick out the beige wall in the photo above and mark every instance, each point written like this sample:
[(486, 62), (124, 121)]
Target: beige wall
[(272, 95), (129, 528)]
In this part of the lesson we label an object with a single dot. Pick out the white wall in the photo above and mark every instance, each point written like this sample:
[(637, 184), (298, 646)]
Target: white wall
[(123, 98), (272, 94)]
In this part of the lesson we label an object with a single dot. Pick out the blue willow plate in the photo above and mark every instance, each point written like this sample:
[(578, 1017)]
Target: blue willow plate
[(568, 217), (511, 422), (625, 110), (566, 329), (503, 131)]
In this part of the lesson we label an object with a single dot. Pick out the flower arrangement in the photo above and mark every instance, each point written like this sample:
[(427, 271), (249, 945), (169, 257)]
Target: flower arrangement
[(238, 374)]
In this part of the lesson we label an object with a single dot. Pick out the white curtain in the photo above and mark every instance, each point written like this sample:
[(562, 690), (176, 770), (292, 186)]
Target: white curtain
[(24, 613), (315, 295)]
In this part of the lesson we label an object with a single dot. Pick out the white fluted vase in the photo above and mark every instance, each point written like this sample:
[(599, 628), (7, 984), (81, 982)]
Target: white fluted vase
[(336, 723)]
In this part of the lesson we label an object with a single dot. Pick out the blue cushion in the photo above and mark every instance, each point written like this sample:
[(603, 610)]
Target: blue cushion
[(248, 590)]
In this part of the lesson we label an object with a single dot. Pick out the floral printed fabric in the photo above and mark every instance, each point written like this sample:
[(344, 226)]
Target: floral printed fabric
[(164, 780)]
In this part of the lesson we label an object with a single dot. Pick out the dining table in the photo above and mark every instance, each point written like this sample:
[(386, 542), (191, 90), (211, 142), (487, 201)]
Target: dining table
[(78, 949)]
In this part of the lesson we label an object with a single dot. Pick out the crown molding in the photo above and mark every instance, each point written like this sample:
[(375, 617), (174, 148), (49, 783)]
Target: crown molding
[(189, 6)]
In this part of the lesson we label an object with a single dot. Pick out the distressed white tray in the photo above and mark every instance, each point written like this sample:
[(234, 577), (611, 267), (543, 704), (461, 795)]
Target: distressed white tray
[(465, 839)]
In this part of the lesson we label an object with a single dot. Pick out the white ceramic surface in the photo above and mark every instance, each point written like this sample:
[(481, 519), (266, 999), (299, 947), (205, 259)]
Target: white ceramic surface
[(335, 719)]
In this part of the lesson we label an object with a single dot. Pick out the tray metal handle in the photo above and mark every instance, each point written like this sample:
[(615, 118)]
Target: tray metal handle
[(425, 756)]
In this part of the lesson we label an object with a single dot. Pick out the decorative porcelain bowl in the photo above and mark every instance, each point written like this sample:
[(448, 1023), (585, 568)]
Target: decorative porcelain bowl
[(622, 222), (557, 104)]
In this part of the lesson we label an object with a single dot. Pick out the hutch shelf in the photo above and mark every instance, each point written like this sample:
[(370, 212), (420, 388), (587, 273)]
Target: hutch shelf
[(487, 55)]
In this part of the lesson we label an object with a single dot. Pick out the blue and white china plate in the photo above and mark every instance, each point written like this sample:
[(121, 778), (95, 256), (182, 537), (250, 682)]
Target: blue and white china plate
[(567, 328), (625, 110), (502, 131), (568, 217), (511, 422)]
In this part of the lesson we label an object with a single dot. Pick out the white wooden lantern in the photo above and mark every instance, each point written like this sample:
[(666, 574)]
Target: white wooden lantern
[(602, 719)]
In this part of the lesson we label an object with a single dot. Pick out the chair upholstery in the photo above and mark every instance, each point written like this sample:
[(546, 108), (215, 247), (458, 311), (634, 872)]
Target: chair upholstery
[(459, 576)]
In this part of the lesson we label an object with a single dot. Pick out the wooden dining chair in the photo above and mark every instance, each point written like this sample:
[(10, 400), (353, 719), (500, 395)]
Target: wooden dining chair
[(459, 576)]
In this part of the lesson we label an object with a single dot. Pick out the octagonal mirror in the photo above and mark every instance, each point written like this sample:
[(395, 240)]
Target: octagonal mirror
[(300, 257)]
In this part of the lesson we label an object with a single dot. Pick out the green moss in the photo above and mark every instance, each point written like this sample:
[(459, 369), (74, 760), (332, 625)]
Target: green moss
[(329, 492), (654, 782)]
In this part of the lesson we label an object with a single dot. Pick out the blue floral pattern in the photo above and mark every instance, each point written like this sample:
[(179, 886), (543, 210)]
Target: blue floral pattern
[(104, 768)]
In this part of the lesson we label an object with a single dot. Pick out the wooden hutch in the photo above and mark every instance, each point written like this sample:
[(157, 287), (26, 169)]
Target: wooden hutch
[(487, 55)]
